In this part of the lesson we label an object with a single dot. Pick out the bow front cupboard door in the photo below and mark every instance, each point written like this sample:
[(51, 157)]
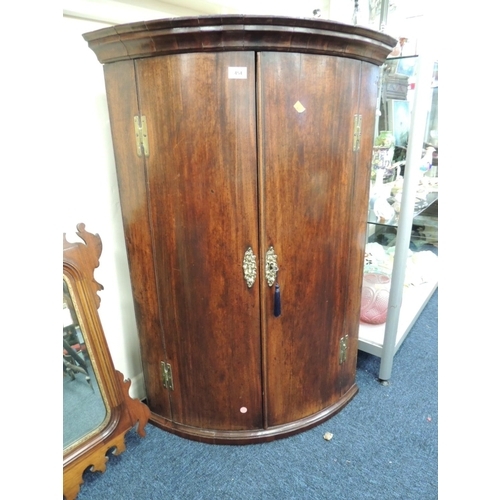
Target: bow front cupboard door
[(223, 153)]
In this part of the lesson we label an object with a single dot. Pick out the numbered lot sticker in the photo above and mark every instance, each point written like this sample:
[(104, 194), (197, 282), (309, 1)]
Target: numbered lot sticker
[(237, 73)]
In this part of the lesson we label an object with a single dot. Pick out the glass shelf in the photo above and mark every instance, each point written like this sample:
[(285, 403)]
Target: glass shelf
[(422, 203), (402, 229)]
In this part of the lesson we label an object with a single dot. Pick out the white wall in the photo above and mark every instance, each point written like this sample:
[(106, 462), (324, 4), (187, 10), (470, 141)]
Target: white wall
[(88, 170), (89, 176)]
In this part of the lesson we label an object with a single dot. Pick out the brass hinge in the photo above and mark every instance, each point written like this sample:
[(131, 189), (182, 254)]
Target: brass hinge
[(343, 349), (166, 372), (141, 135), (357, 132)]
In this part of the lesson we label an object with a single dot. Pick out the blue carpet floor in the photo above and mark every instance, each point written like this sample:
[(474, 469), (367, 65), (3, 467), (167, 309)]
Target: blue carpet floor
[(384, 446)]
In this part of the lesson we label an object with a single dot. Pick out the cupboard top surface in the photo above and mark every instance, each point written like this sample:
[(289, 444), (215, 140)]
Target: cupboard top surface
[(238, 32)]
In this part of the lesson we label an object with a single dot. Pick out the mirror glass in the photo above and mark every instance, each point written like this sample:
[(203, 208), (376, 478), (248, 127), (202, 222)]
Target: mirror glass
[(84, 409)]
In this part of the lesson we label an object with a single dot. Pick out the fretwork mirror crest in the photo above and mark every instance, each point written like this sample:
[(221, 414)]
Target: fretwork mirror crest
[(98, 410)]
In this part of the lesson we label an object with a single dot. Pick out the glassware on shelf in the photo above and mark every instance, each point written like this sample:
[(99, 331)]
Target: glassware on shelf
[(383, 153)]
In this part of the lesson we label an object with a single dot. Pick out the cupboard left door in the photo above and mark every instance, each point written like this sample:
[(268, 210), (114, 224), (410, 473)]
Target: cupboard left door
[(200, 180)]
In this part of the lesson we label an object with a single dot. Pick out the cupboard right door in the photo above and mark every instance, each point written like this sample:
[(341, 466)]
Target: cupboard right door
[(307, 164)]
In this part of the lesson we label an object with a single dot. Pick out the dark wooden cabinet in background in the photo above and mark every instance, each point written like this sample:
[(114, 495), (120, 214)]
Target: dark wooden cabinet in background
[(234, 136)]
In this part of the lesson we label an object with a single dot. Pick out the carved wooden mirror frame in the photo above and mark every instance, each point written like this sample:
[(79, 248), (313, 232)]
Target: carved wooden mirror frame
[(122, 412)]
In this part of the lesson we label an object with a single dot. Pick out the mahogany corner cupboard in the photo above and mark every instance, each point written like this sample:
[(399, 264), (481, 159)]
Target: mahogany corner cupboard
[(243, 150)]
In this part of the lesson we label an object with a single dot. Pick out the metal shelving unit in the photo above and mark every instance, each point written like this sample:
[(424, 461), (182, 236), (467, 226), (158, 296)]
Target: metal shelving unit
[(405, 304)]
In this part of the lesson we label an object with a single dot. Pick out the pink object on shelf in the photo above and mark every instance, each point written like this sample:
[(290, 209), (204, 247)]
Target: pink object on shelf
[(375, 298)]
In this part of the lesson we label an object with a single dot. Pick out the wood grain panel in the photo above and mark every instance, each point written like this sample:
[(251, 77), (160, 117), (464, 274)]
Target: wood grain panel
[(360, 184), (123, 106), (238, 32), (306, 169), (202, 188)]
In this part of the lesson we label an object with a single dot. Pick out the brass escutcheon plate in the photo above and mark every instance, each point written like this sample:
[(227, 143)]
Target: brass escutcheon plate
[(249, 267)]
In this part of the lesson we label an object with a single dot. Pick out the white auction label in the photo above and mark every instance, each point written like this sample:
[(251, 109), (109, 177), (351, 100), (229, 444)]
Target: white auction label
[(235, 72)]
